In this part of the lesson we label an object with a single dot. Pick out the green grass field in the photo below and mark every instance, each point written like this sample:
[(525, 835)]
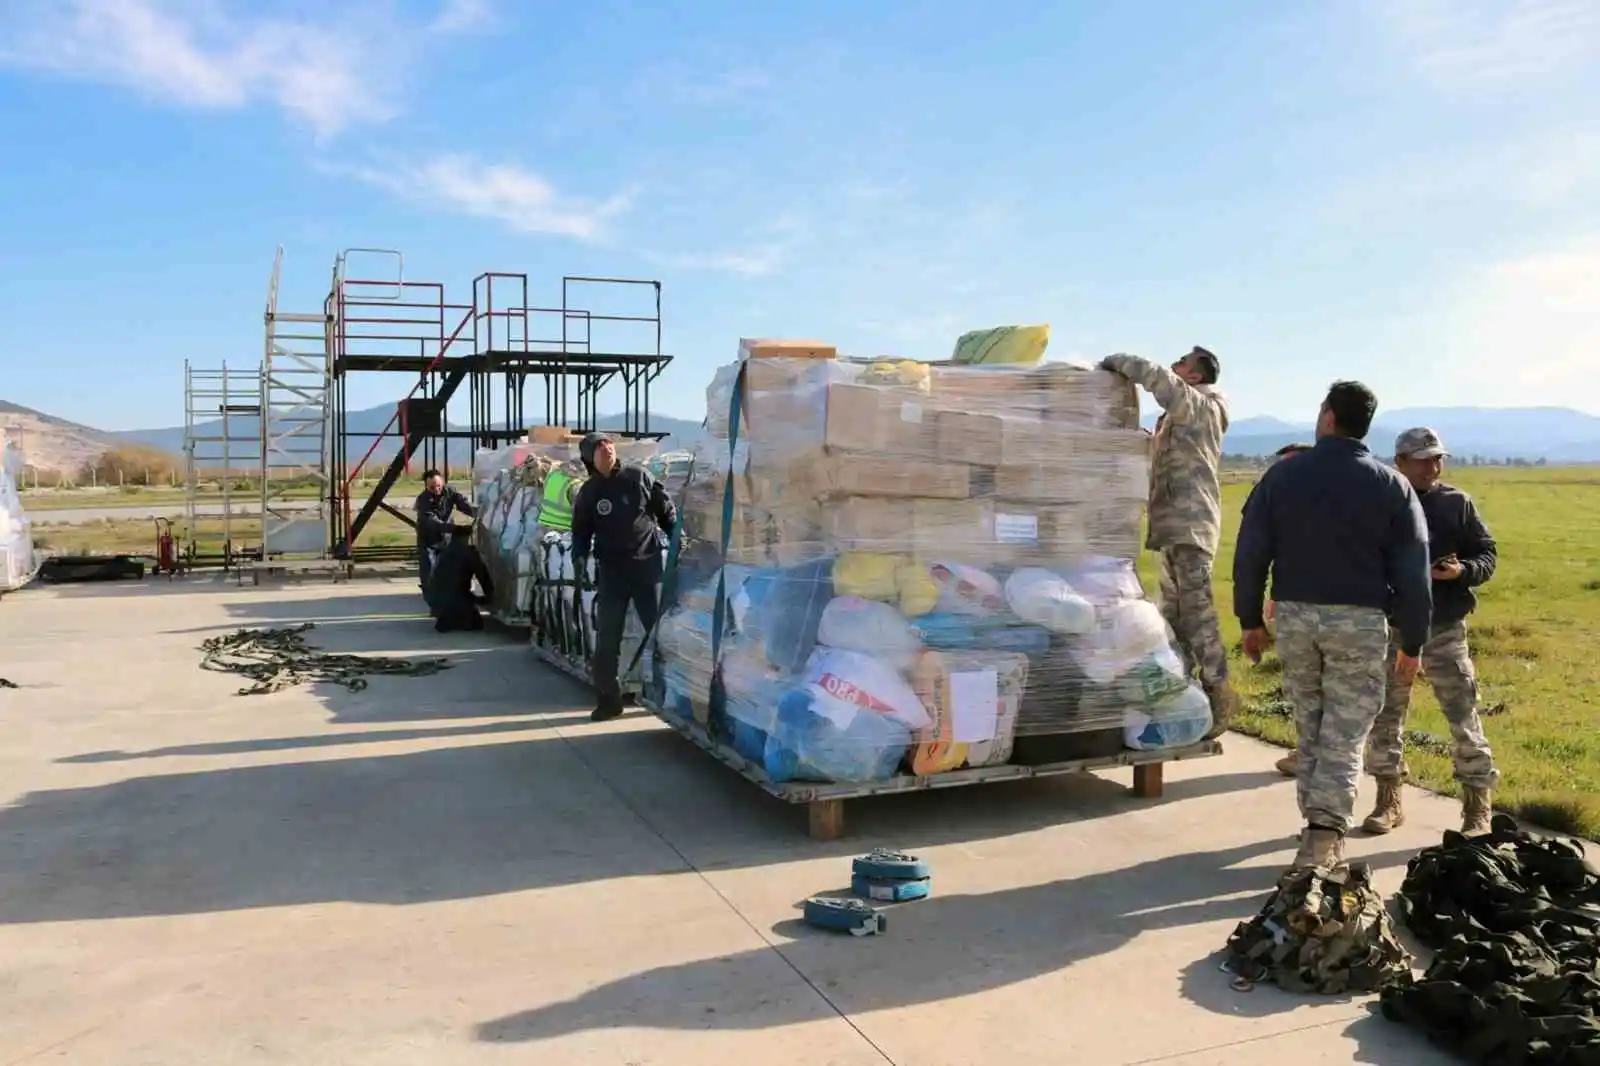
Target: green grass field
[(1535, 639), (41, 500), (137, 536)]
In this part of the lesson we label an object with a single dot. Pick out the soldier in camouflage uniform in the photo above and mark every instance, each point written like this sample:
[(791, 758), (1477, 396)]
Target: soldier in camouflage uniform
[(1186, 510), (1463, 557), (1345, 542)]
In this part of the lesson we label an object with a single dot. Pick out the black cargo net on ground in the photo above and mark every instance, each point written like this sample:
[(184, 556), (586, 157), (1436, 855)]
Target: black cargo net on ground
[(276, 659), (1515, 924)]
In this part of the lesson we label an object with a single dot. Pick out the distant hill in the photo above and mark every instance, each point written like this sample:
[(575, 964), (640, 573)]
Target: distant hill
[(51, 443), (1492, 434), (366, 426)]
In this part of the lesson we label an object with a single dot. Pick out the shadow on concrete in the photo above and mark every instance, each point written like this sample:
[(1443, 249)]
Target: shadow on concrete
[(942, 948), (320, 740), (548, 808), (1380, 1042)]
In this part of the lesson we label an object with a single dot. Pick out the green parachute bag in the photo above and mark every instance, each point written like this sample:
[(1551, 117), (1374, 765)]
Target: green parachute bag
[(1322, 931)]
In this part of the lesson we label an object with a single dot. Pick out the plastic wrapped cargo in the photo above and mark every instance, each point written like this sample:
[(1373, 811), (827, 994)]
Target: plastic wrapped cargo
[(524, 494), (16, 532), (924, 567)]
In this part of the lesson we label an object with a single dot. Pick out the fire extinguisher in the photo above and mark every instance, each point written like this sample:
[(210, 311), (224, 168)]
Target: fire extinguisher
[(166, 548)]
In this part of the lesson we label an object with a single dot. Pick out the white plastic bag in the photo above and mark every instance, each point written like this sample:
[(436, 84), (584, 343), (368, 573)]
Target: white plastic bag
[(868, 626), (1044, 598), (845, 683), (1175, 722), (965, 589), (1128, 632)]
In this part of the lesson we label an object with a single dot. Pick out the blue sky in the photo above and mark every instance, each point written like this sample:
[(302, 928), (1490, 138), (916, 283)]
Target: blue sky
[(1405, 192)]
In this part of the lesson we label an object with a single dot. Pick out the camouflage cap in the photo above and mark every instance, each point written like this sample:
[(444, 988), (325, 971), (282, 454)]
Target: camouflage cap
[(1419, 443)]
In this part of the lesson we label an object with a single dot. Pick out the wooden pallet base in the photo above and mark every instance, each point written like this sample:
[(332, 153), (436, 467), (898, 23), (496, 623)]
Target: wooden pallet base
[(825, 803)]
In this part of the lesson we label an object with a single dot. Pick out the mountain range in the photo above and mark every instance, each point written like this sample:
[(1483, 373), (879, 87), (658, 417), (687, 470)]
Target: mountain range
[(1490, 434), (1528, 434)]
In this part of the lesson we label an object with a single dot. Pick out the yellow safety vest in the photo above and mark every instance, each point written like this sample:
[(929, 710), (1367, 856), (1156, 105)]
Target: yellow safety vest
[(555, 510)]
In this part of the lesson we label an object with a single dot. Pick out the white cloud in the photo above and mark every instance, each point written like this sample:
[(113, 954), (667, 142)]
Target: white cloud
[(462, 16), (1468, 43), (763, 256), (753, 262), (520, 199), (1529, 327), (206, 54)]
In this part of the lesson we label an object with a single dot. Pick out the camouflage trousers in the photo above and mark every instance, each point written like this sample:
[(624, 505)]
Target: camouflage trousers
[(1333, 676), (1190, 608), (1448, 667)]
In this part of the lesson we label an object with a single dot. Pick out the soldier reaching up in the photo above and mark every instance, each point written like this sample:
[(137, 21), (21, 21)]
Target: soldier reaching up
[(1186, 510)]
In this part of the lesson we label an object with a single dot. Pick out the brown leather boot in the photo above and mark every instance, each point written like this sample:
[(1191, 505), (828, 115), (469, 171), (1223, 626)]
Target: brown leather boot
[(1476, 810), (1319, 847), (1289, 765), (1224, 706), (1387, 813)]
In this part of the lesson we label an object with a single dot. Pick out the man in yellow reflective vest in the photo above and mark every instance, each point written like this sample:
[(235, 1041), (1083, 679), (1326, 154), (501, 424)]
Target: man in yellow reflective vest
[(555, 508)]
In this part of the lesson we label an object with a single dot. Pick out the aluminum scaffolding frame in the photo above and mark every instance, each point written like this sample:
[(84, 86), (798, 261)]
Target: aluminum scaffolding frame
[(398, 326), (221, 431), (296, 483)]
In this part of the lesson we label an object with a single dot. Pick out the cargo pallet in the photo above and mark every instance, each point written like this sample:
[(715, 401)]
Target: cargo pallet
[(825, 801)]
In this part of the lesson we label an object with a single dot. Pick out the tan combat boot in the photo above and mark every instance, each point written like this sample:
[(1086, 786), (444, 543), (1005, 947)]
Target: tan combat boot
[(1476, 810), (1319, 847), (1387, 813), (1224, 706), (1289, 765)]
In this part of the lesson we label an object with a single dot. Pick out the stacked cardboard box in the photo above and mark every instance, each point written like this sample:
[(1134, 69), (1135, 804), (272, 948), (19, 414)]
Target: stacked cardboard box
[(999, 510)]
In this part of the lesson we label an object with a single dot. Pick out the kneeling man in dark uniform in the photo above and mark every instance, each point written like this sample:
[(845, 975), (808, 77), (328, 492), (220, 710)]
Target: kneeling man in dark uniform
[(455, 605)]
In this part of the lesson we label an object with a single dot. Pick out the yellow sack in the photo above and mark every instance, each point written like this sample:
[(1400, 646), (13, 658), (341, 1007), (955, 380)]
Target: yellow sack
[(902, 373), (917, 590), (1002, 345), (868, 575), (893, 579)]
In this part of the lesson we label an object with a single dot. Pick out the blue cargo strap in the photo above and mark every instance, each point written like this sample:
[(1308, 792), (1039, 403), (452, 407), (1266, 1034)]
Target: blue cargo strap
[(720, 611)]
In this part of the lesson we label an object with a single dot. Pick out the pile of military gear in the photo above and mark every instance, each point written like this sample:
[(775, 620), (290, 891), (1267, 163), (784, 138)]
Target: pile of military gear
[(1515, 923), (1323, 931), (276, 659)]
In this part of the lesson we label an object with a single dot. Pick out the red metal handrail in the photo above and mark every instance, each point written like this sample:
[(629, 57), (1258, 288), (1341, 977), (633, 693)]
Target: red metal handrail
[(444, 347)]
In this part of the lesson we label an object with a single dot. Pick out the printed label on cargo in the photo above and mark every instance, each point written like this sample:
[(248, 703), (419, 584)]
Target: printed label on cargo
[(910, 411), (1016, 528), (974, 705), (846, 692)]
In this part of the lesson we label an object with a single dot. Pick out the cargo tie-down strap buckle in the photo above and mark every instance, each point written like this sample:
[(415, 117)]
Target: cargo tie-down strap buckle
[(276, 659)]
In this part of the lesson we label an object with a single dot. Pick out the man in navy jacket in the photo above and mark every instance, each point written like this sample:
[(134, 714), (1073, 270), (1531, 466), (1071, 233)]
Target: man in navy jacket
[(1345, 542)]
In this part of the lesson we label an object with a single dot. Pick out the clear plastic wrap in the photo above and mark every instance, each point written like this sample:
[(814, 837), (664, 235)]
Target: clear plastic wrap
[(928, 567), (16, 532), (524, 494)]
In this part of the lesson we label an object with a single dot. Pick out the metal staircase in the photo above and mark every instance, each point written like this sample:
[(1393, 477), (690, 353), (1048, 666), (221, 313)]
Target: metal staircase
[(297, 486)]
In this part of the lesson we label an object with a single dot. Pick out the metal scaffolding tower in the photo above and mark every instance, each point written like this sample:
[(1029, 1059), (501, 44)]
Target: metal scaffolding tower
[(296, 482), (222, 447)]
